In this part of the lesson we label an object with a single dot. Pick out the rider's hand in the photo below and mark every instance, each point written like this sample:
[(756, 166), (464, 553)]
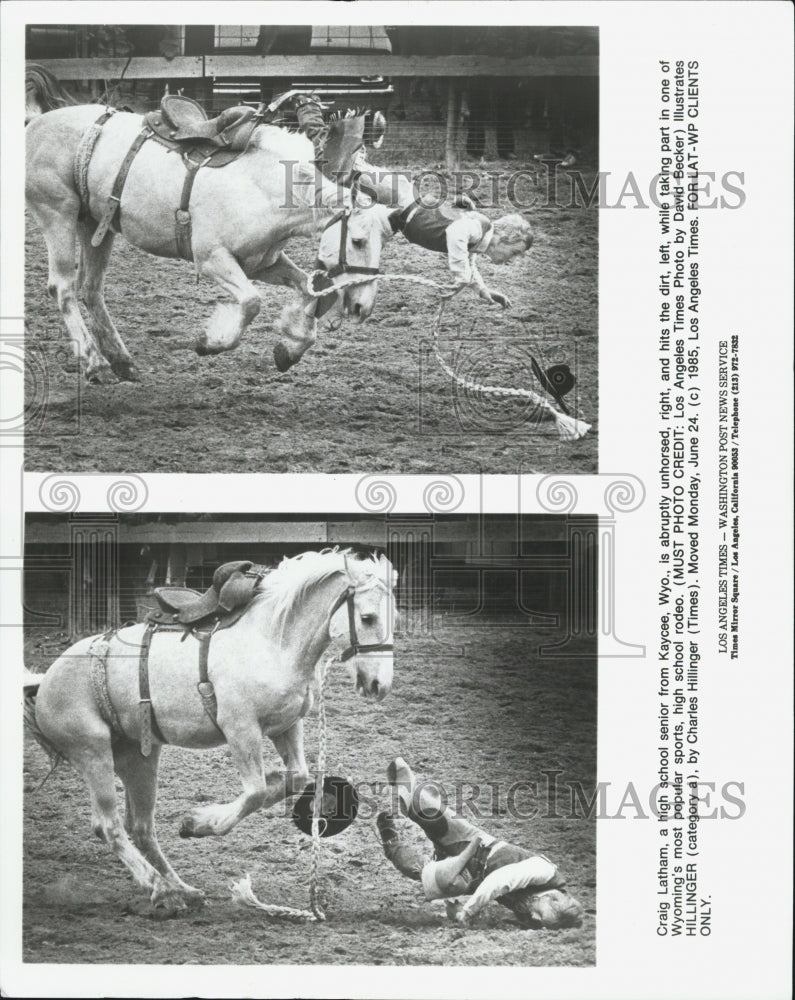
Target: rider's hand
[(501, 300), (453, 907)]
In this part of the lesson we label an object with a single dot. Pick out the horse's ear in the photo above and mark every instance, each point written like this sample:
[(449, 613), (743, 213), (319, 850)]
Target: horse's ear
[(386, 564)]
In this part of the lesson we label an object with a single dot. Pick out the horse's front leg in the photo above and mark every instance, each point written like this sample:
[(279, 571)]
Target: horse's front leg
[(290, 745), (228, 323), (260, 790), (297, 324)]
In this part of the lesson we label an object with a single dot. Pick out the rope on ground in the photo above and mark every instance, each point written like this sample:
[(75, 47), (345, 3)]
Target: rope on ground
[(569, 428), (242, 891)]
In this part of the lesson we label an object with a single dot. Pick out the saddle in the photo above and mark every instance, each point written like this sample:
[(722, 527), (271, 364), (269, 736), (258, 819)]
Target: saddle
[(200, 616), (182, 123), (220, 606)]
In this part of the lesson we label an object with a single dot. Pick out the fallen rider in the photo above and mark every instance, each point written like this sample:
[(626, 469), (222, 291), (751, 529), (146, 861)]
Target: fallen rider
[(469, 862), (462, 233), (457, 229)]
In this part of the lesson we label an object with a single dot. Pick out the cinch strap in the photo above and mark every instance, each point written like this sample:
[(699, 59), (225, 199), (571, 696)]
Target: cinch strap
[(205, 685), (146, 713), (183, 227)]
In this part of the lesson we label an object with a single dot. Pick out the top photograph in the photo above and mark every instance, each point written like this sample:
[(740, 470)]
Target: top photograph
[(311, 248)]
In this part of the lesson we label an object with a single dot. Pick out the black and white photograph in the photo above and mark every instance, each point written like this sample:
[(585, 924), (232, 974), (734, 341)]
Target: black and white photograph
[(396, 464), (311, 248), (426, 688)]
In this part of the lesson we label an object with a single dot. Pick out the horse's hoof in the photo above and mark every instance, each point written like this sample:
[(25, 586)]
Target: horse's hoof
[(187, 827), (168, 901), (281, 357), (126, 370), (201, 349)]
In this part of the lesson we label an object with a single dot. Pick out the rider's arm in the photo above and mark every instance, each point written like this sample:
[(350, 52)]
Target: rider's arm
[(477, 280), (535, 871), (461, 234), (458, 236)]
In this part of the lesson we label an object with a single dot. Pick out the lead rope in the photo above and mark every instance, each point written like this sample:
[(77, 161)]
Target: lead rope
[(242, 891), (314, 871), (569, 428)]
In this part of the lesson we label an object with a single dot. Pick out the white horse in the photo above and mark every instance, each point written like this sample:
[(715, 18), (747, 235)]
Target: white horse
[(264, 672), (243, 214)]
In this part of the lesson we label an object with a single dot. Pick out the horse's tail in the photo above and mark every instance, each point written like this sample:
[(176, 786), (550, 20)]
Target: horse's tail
[(47, 89), (30, 688)]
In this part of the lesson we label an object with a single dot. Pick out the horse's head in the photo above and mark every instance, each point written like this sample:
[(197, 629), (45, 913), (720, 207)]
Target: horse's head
[(351, 246), (366, 616)]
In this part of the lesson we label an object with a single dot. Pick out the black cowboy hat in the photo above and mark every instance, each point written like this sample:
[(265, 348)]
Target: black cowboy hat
[(557, 380), (339, 807)]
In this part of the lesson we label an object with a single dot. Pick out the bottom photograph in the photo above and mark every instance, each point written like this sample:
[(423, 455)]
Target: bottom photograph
[(349, 739)]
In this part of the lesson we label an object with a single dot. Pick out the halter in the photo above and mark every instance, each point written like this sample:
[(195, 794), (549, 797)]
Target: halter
[(356, 647), (342, 266)]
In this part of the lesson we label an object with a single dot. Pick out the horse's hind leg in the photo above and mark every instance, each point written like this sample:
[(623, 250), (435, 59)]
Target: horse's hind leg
[(93, 264), (139, 775), (228, 322), (94, 759), (59, 225)]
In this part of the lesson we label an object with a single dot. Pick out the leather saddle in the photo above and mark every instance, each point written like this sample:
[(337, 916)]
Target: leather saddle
[(221, 605), (182, 123)]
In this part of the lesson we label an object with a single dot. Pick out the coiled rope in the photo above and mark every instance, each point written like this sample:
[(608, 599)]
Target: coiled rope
[(242, 891), (569, 428)]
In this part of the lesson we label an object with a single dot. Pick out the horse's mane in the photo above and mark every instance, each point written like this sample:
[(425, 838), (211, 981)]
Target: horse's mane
[(287, 586), (48, 91)]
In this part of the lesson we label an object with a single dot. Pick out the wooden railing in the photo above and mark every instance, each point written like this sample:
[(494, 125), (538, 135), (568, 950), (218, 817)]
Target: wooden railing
[(142, 68)]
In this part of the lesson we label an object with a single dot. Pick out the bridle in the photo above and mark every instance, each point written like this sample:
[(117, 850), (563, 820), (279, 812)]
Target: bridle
[(342, 266), (356, 647)]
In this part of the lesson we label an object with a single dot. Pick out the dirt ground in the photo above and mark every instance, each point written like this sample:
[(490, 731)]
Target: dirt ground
[(492, 715), (365, 399)]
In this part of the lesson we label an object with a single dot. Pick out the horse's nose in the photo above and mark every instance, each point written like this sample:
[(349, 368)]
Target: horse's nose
[(357, 310), (375, 689)]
